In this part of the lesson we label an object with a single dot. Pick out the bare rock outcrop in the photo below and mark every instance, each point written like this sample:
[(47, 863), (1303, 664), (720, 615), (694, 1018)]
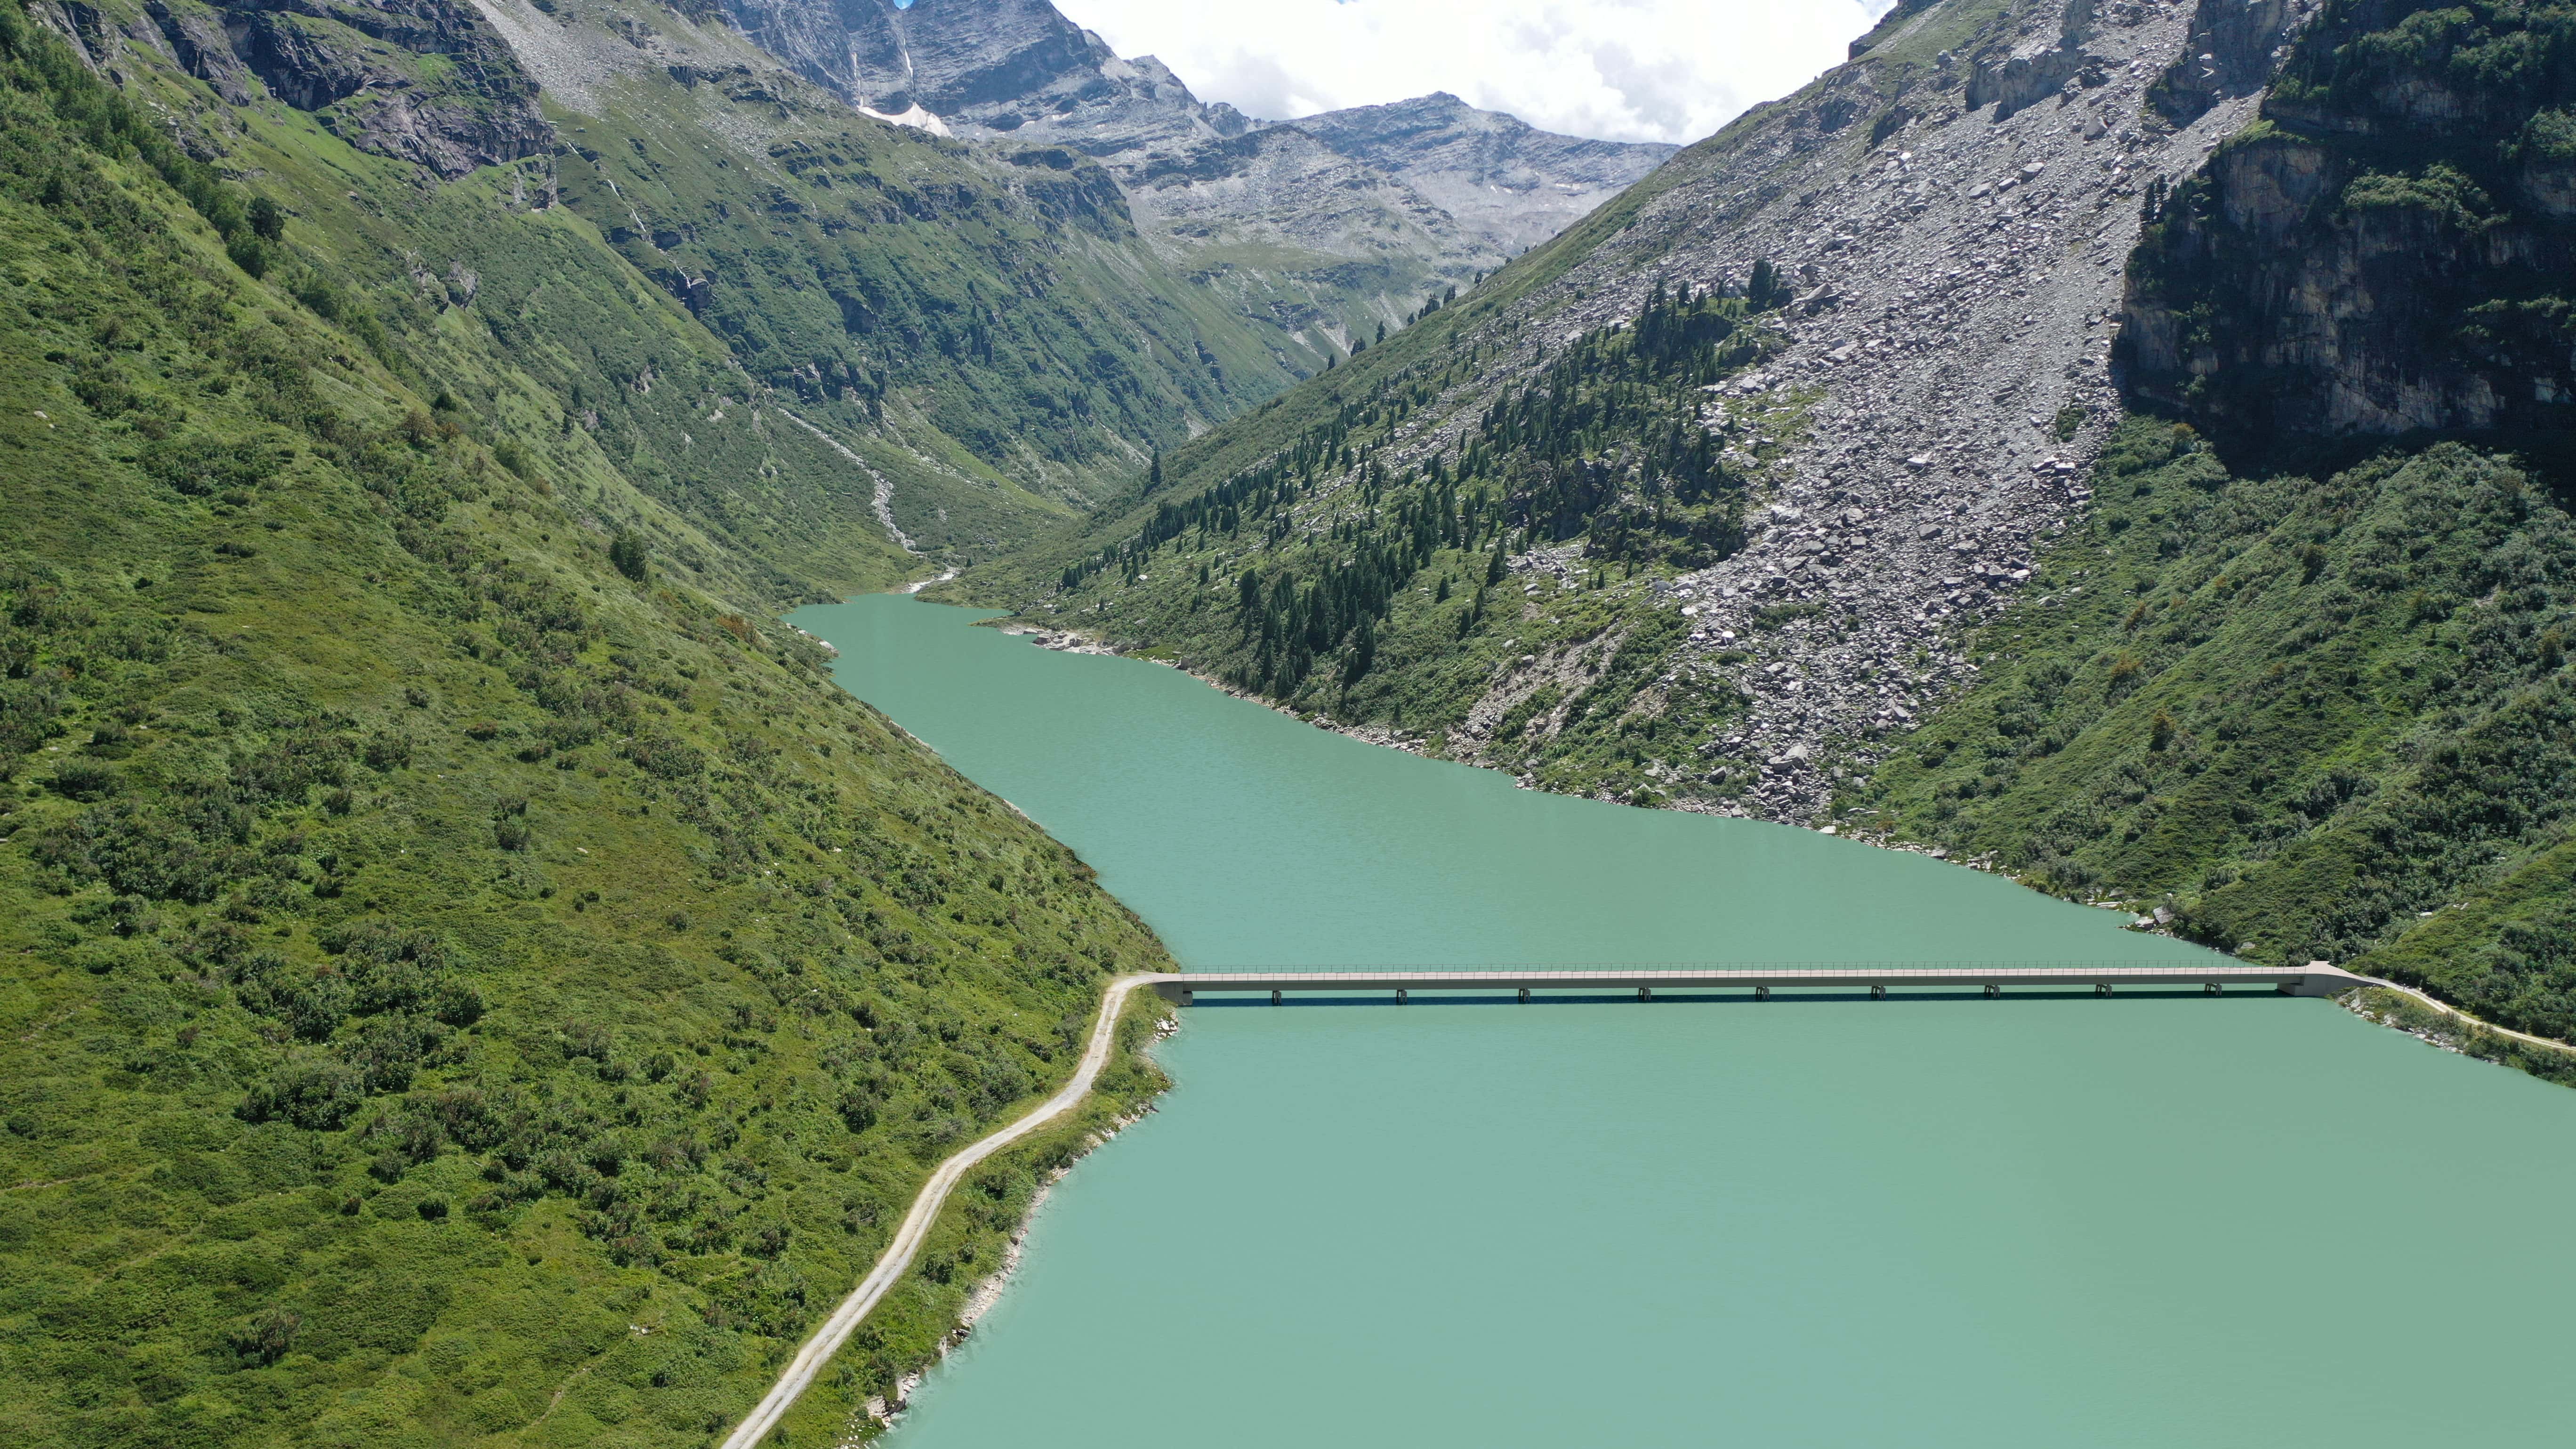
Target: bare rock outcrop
[(2387, 256), (356, 65)]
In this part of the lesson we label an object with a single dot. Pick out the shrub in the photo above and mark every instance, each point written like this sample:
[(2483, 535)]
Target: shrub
[(390, 1050), (628, 553), (265, 1337), (189, 853), (456, 1003), (200, 466), (666, 757), (387, 751), (858, 1111), (316, 1011), (250, 254), (308, 1090), (84, 780), (322, 298)]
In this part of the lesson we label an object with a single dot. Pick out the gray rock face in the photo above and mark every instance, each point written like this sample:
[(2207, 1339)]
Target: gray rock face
[(355, 65), (987, 68), (1502, 179), (2303, 294), (1321, 226), (2233, 46)]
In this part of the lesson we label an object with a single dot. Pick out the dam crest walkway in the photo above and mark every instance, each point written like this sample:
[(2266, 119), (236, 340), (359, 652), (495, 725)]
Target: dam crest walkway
[(1878, 978)]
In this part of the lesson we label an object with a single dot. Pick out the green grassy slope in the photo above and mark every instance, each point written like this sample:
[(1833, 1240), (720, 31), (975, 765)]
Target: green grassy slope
[(460, 981), (1347, 576), (1005, 295), (716, 242), (2310, 718), (522, 320)]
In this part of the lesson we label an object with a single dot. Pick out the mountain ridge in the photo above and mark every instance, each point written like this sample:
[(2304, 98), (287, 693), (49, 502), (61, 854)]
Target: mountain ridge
[(1460, 190)]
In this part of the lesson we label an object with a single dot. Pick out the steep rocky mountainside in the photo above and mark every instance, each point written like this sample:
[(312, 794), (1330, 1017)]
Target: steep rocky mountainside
[(466, 976), (1322, 228), (1779, 487), (425, 80), (1951, 213), (2321, 716), (1506, 182)]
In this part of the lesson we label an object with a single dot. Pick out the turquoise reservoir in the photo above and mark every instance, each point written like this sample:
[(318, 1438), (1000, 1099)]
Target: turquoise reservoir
[(2043, 1221)]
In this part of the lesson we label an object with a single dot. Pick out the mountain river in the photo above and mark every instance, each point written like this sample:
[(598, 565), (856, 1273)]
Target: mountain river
[(2046, 1220)]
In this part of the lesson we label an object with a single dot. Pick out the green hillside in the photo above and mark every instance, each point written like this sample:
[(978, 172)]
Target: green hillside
[(2307, 718), (999, 307), (471, 977), (1338, 581), (764, 309)]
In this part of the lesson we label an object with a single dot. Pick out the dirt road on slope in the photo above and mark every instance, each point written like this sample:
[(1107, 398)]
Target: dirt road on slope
[(836, 1330)]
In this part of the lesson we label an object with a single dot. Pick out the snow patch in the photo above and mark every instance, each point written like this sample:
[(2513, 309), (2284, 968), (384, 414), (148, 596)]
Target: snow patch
[(915, 117)]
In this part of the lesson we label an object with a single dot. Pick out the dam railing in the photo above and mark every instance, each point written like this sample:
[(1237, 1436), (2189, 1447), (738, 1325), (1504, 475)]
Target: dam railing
[(1760, 979)]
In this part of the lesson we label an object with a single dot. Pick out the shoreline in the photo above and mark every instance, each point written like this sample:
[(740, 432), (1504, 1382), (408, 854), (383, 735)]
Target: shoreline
[(877, 1416), (2147, 922), (894, 1263)]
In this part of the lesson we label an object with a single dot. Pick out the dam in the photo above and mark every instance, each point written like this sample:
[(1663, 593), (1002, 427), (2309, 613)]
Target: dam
[(2314, 979)]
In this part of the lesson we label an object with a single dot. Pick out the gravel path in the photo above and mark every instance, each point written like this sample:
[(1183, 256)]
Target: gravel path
[(836, 1330)]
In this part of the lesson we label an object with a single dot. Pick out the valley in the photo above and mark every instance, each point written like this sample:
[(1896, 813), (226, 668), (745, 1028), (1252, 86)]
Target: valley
[(511, 916)]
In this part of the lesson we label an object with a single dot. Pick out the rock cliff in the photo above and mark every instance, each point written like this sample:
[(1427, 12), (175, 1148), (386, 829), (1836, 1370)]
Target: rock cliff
[(426, 81), (2386, 254)]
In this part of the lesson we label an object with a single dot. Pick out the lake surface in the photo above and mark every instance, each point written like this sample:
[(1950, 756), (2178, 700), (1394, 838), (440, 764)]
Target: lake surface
[(2042, 1221)]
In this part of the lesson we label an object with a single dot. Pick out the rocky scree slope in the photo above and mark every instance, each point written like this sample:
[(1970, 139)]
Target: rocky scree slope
[(464, 976), (1321, 229), (1949, 214)]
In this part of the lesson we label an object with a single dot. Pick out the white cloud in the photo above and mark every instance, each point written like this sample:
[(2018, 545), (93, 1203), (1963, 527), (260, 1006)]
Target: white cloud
[(1628, 70)]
